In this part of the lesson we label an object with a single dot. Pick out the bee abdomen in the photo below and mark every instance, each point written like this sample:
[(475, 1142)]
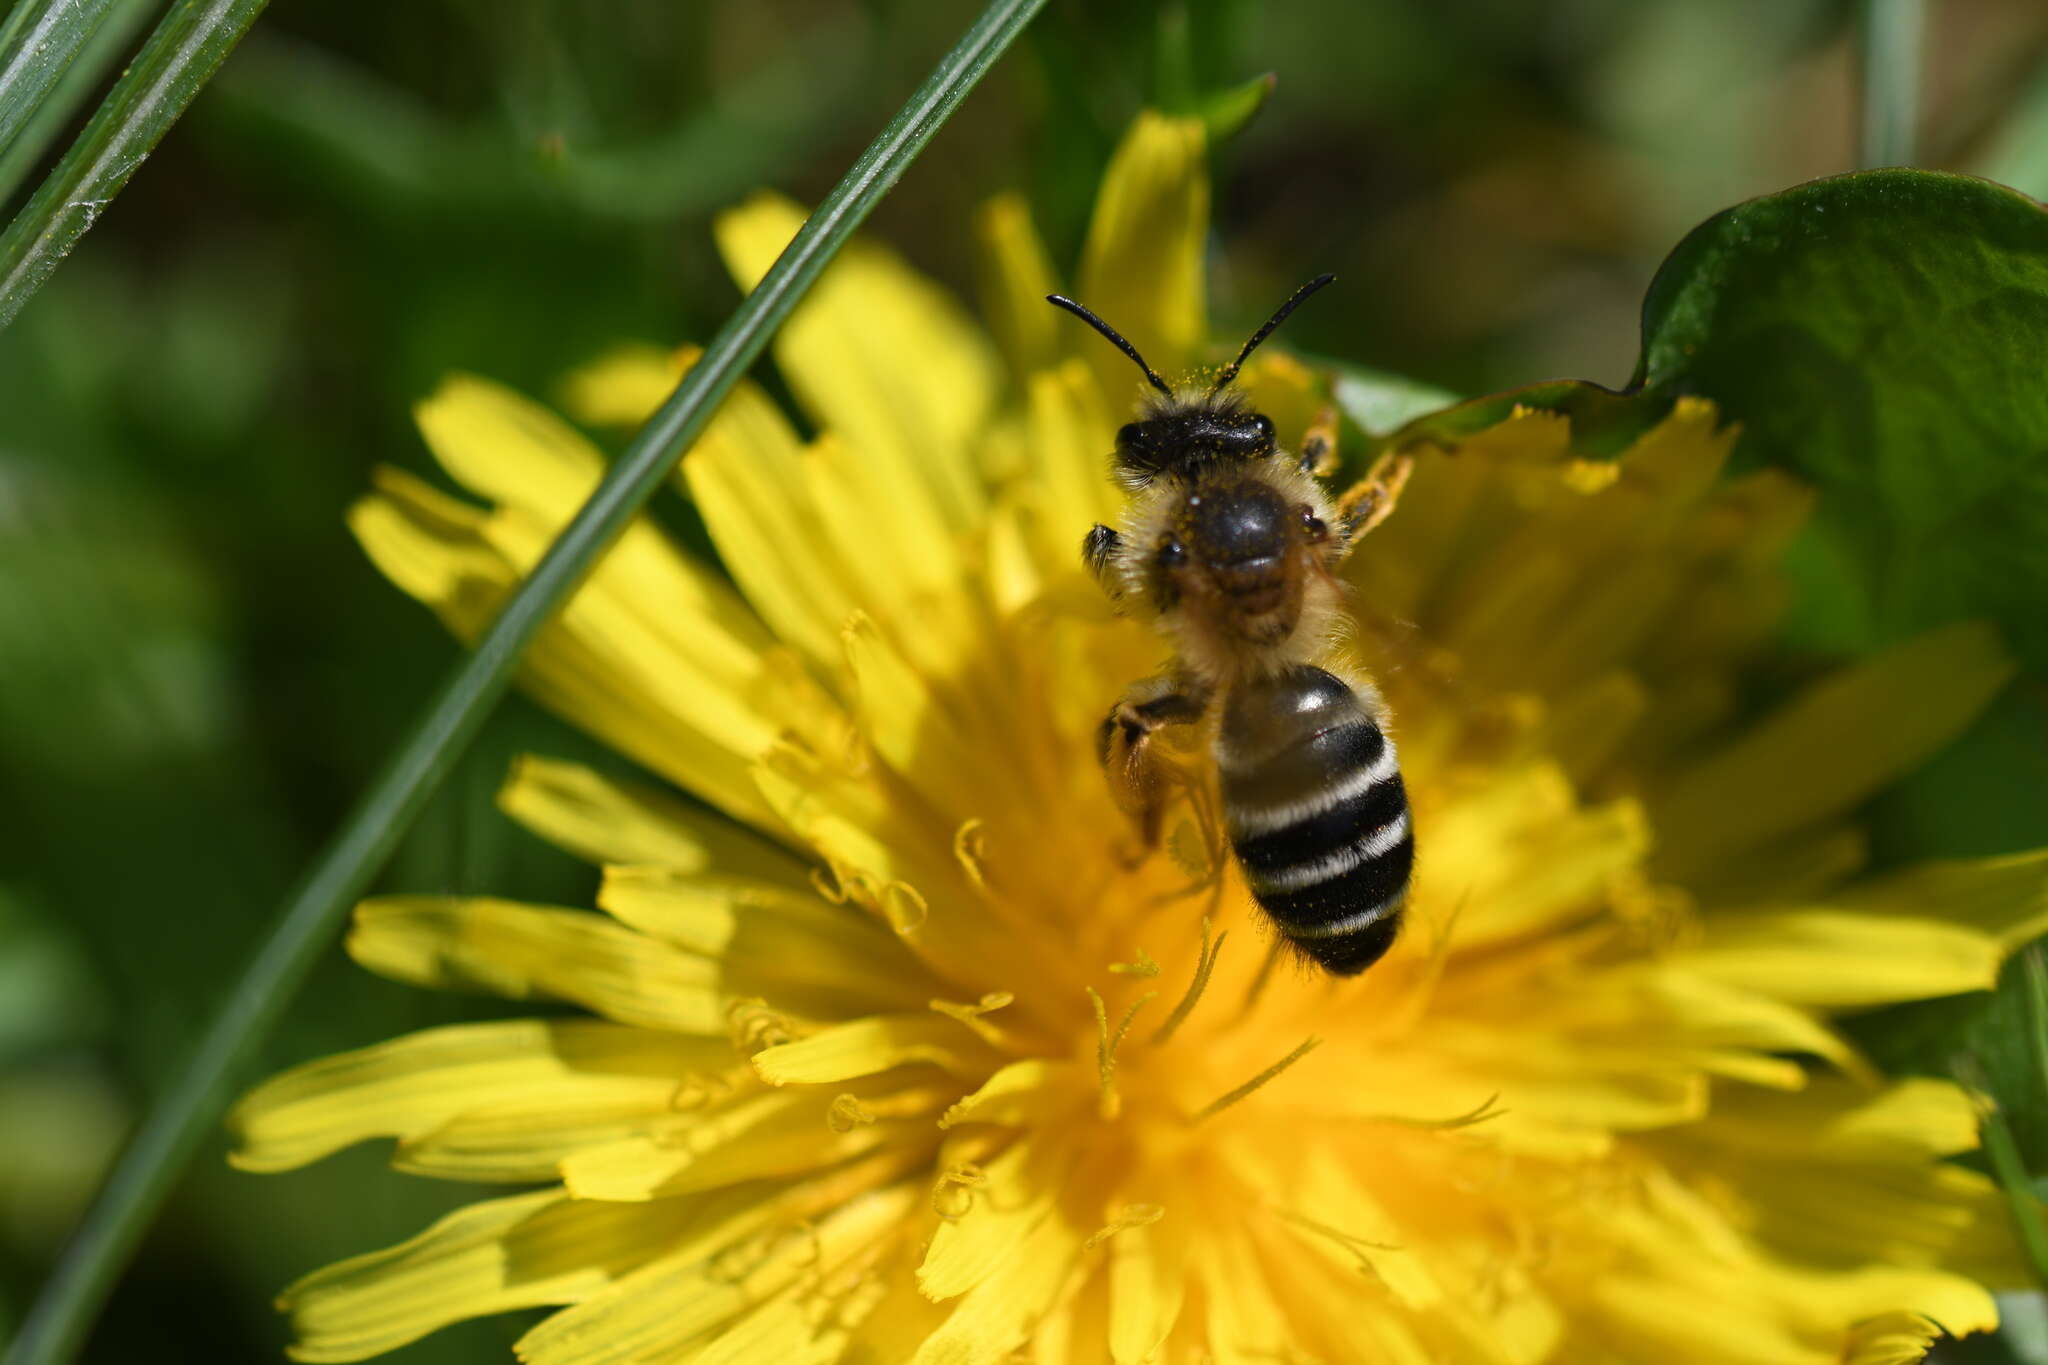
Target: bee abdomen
[(1317, 815)]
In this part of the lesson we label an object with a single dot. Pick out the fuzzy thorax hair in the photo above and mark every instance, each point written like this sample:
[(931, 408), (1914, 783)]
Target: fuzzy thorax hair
[(1204, 625)]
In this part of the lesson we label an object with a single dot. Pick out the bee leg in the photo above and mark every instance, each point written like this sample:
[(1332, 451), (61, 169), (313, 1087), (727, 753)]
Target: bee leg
[(1141, 778), (1319, 445), (1098, 547), (1371, 500)]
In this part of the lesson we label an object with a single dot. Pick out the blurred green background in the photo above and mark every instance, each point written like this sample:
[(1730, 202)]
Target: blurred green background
[(198, 671)]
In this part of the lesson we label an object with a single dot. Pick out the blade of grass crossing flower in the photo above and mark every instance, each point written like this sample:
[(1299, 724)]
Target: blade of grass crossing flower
[(1892, 33), (2002, 1149), (2036, 969), (173, 66), (22, 149), (36, 47), (307, 921)]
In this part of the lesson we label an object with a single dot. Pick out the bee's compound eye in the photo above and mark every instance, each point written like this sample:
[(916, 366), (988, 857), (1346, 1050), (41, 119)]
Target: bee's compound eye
[(1172, 554), (1130, 434), (1263, 425)]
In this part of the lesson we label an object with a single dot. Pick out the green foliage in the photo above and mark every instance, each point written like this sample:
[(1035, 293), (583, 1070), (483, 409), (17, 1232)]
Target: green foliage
[(1883, 334)]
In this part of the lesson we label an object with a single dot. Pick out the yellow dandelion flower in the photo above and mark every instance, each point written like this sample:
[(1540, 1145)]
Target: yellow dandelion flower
[(896, 1054)]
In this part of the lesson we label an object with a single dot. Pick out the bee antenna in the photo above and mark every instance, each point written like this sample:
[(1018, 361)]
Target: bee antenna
[(1116, 337), (1300, 295)]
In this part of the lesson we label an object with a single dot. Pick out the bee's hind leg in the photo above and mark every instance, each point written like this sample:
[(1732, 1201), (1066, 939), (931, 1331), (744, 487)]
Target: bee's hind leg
[(1141, 778), (1371, 500)]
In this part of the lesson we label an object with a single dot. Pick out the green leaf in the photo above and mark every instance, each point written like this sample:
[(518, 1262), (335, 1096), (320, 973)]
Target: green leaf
[(305, 925), (1226, 112), (1379, 402), (1883, 334), (366, 141), (1604, 421)]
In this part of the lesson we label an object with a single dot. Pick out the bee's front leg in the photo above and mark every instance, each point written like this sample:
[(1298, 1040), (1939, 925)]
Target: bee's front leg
[(1098, 549), (1141, 778), (1371, 500), (1319, 445)]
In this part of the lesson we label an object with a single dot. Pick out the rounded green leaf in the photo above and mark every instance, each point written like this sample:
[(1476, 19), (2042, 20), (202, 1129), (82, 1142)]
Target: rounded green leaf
[(1883, 334)]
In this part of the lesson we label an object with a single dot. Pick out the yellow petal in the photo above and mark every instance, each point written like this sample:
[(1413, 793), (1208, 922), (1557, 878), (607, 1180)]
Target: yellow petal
[(866, 1046), (1589, 724), (754, 492), (745, 475), (913, 729), (1839, 959), (1245, 1322), (1522, 855), (526, 951), (601, 663), (508, 448), (1872, 1208), (1015, 276), (1141, 270), (409, 1086), (1653, 1318), (614, 820), (431, 545), (783, 1330), (1032, 1091), (1831, 747), (778, 1133), (1834, 1119), (2005, 896), (489, 1257), (773, 939), (623, 386), (1895, 1338), (1070, 435), (879, 355), (530, 1136), (1331, 1310), (683, 1296), (1017, 1192), (899, 1322), (997, 1316), (1147, 1285), (915, 597)]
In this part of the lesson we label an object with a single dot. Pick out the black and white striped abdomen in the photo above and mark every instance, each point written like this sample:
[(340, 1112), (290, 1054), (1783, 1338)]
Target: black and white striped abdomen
[(1317, 815)]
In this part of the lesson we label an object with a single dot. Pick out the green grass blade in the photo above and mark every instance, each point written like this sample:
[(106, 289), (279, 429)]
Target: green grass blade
[(23, 147), (2002, 1150), (2036, 971), (36, 47), (174, 64), (307, 921), (1892, 35)]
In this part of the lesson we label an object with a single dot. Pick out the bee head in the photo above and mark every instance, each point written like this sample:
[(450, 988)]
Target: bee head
[(1179, 436), (1182, 431)]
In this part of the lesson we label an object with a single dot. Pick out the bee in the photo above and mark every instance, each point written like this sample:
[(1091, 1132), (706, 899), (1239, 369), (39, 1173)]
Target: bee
[(1231, 544)]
